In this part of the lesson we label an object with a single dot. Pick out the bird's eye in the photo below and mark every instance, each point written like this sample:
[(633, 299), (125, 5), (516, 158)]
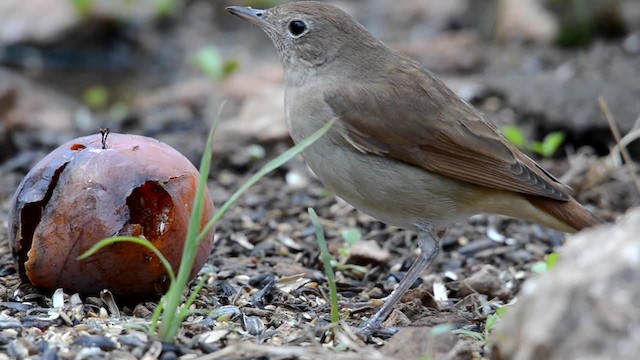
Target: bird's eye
[(297, 28)]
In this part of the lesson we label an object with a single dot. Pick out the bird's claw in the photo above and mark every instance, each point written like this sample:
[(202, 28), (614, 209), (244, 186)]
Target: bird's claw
[(374, 325)]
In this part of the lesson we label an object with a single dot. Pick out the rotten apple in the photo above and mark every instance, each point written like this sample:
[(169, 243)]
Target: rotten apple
[(93, 188)]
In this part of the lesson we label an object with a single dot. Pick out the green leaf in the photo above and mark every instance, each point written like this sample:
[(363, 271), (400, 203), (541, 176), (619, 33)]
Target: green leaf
[(539, 268), (344, 253), (230, 67), (328, 269), (552, 259), (502, 310), (491, 322), (83, 7), (542, 267), (551, 143), (352, 267), (209, 60), (96, 96), (537, 148), (515, 135), (351, 236), (166, 7)]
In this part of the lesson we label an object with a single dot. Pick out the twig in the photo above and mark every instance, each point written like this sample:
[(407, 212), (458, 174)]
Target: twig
[(616, 134)]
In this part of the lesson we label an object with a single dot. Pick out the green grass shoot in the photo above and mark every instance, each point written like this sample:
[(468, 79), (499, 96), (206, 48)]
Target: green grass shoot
[(546, 148), (328, 269)]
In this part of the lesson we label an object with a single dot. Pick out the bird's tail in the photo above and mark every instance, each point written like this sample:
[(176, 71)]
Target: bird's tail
[(570, 213)]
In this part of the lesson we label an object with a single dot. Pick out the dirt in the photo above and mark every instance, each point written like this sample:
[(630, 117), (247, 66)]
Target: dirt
[(266, 296)]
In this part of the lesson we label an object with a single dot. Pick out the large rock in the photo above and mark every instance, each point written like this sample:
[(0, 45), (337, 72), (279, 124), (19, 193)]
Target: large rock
[(587, 307), (566, 96)]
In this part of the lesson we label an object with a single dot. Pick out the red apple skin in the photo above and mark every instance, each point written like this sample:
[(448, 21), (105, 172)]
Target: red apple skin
[(81, 193)]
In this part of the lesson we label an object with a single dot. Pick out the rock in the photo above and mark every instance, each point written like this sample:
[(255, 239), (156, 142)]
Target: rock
[(421, 342), (261, 118), (566, 96), (397, 319), (486, 281), (525, 20), (367, 252), (422, 293), (141, 311), (587, 307)]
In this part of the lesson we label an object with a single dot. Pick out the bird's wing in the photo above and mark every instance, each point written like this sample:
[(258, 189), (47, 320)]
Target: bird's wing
[(418, 120)]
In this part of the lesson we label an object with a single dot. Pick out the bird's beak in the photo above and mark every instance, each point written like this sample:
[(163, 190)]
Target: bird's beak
[(254, 16)]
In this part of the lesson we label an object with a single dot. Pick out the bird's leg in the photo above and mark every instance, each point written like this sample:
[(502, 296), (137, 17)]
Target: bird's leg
[(428, 251)]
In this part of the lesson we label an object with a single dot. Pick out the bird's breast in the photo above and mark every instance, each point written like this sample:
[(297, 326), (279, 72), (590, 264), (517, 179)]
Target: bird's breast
[(391, 191)]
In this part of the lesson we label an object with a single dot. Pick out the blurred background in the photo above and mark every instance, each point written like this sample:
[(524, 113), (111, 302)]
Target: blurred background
[(162, 67)]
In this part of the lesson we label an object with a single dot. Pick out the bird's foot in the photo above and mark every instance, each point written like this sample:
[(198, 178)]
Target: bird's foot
[(374, 326)]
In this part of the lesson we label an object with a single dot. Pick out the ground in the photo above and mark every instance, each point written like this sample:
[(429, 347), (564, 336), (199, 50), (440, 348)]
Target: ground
[(267, 295)]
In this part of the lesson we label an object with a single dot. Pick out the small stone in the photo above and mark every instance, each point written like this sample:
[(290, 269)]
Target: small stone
[(486, 281), (141, 311), (375, 293), (421, 293), (397, 319), (368, 251), (99, 341), (123, 355), (420, 342)]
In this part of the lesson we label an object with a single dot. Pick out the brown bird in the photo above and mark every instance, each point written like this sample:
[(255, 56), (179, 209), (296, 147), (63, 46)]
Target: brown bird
[(405, 148)]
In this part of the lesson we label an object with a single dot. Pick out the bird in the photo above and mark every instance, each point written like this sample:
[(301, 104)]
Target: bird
[(404, 148)]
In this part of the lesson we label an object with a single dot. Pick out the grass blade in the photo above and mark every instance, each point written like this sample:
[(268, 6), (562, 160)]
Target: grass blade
[(130, 239), (328, 269), (192, 297), (156, 317), (170, 323)]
